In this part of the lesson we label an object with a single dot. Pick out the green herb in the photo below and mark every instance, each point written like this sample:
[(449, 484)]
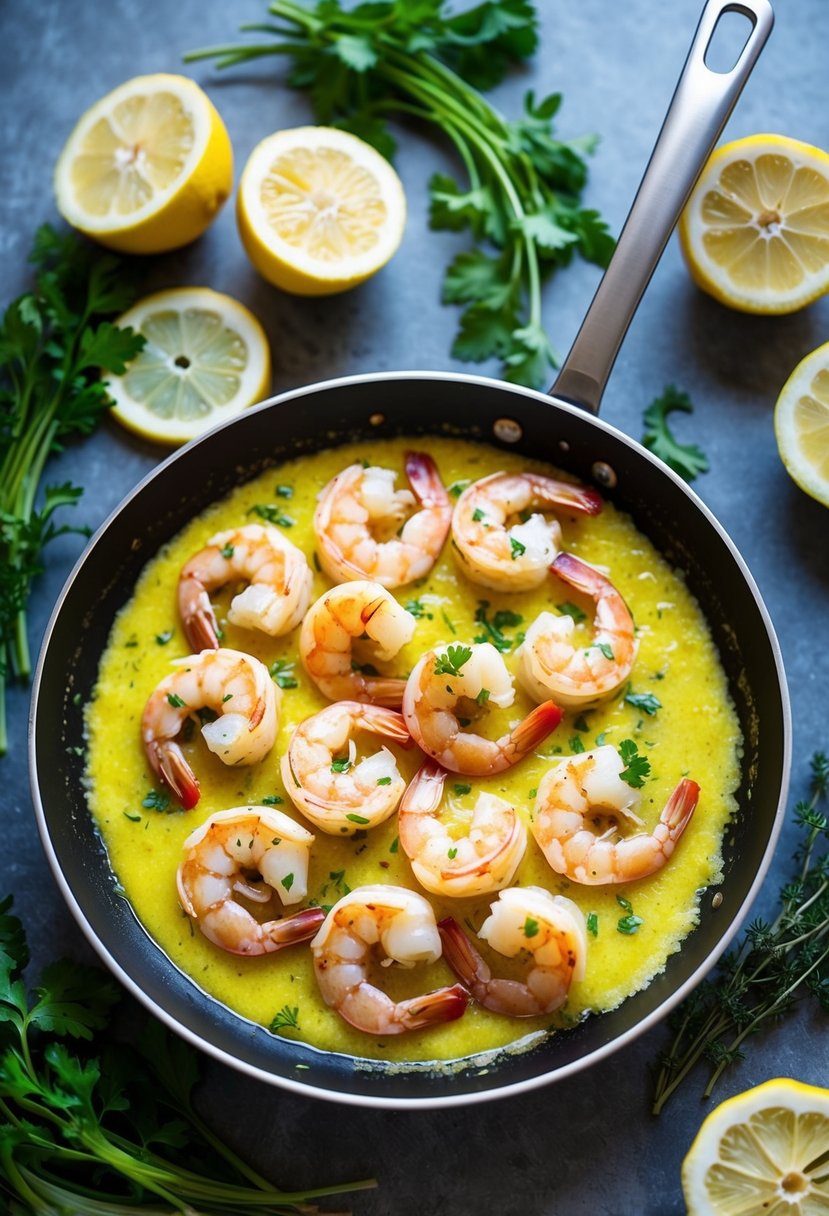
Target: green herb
[(271, 515), (357, 818), (54, 344), (533, 793), (338, 879), (450, 663), (89, 1124), (503, 619), (395, 845), (637, 767), (483, 696), (447, 620), (516, 548), (520, 199), (340, 766), (457, 487), (418, 610), (606, 649), (284, 491), (592, 921), (452, 853), (384, 780), (629, 924), (163, 638), (687, 460), (477, 515), (132, 818), (573, 610), (156, 800), (461, 788), (286, 1019), (775, 965), (645, 701), (282, 674), (272, 800), (287, 881), (227, 551), (531, 927), (581, 723), (175, 700)]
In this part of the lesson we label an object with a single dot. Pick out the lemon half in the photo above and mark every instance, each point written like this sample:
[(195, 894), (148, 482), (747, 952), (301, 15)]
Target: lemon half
[(755, 231), (205, 360), (801, 424), (147, 167), (763, 1151), (319, 210)]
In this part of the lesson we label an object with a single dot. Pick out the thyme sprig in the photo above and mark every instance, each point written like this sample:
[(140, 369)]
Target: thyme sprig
[(774, 967)]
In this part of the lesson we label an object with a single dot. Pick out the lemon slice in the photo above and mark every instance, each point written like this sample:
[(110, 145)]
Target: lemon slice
[(205, 360), (767, 1150), (319, 210), (801, 424), (755, 231), (147, 167)]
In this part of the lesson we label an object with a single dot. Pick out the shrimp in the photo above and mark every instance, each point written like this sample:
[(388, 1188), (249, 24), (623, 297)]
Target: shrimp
[(496, 545), (359, 609), (279, 587), (219, 856), (403, 923), (551, 928), (454, 682), (583, 794), (336, 791), (365, 528), (238, 688), (551, 666), (484, 860)]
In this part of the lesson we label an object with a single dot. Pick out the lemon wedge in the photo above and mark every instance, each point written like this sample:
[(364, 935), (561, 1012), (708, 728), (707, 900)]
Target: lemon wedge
[(205, 360), (319, 210), (147, 167), (763, 1151), (755, 231), (801, 424)]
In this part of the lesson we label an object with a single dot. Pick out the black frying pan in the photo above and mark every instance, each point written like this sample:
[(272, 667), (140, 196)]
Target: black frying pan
[(422, 404)]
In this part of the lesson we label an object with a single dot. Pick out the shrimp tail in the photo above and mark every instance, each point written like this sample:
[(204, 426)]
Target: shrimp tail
[(298, 927), (537, 725), (680, 807), (425, 481), (442, 1005), (167, 761), (578, 498), (383, 690), (197, 616), (463, 958), (389, 723), (578, 574)]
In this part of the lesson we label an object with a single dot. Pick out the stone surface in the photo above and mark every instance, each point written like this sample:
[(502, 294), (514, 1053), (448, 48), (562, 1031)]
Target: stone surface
[(587, 1145)]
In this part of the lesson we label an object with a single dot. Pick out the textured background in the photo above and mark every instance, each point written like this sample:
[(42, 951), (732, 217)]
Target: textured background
[(588, 1144)]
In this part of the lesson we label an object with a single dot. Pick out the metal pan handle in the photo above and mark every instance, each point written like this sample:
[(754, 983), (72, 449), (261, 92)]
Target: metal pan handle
[(697, 114)]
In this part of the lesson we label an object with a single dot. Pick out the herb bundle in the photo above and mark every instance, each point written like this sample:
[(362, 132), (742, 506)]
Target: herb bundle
[(112, 1133), (775, 965), (54, 343), (521, 197)]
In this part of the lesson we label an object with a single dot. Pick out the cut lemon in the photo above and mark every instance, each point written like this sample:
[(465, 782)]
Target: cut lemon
[(205, 360), (147, 167), (755, 231), (319, 210), (767, 1150), (801, 424)]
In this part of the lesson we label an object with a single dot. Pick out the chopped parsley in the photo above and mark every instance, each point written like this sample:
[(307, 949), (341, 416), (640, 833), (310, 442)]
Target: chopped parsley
[(340, 766), (483, 696), (576, 746), (645, 701), (606, 649), (163, 638), (592, 922), (450, 664), (282, 674), (384, 780), (284, 491), (288, 1017), (156, 800), (516, 548), (573, 610), (461, 788), (457, 487), (272, 800), (637, 767), (418, 610), (175, 700), (227, 551), (272, 515), (452, 853), (288, 881), (629, 923), (354, 818), (503, 619), (531, 927)]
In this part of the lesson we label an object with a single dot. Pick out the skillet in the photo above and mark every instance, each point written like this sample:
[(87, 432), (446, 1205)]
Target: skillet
[(559, 427)]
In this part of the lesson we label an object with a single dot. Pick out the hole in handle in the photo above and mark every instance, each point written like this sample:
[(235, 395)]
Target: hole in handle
[(728, 41)]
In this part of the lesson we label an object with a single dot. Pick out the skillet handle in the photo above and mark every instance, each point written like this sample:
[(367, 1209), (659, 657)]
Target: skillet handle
[(697, 114)]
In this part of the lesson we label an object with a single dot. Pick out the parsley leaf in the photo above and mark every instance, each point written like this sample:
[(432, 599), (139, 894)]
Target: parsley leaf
[(637, 767), (450, 663), (646, 701), (688, 460)]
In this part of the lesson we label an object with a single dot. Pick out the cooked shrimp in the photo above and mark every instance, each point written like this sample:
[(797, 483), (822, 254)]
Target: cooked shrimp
[(324, 777), (221, 858), (403, 924), (279, 584), (367, 529), (235, 686), (498, 542), (551, 666), (340, 617), (484, 860), (549, 927), (454, 682), (579, 803)]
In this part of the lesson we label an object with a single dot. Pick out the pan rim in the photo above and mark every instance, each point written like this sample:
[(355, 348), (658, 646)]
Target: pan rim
[(492, 1092)]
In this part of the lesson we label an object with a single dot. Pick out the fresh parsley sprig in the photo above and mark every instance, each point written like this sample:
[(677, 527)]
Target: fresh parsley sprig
[(520, 200), (774, 966), (54, 343), (686, 459), (451, 662), (106, 1127)]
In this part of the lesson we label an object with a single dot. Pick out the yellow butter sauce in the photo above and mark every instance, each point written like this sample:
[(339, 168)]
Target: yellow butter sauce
[(695, 732)]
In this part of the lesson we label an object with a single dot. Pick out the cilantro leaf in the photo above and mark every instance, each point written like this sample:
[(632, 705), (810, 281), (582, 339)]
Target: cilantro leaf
[(688, 460)]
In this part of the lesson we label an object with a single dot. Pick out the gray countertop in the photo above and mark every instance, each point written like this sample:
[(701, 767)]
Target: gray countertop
[(586, 1144)]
